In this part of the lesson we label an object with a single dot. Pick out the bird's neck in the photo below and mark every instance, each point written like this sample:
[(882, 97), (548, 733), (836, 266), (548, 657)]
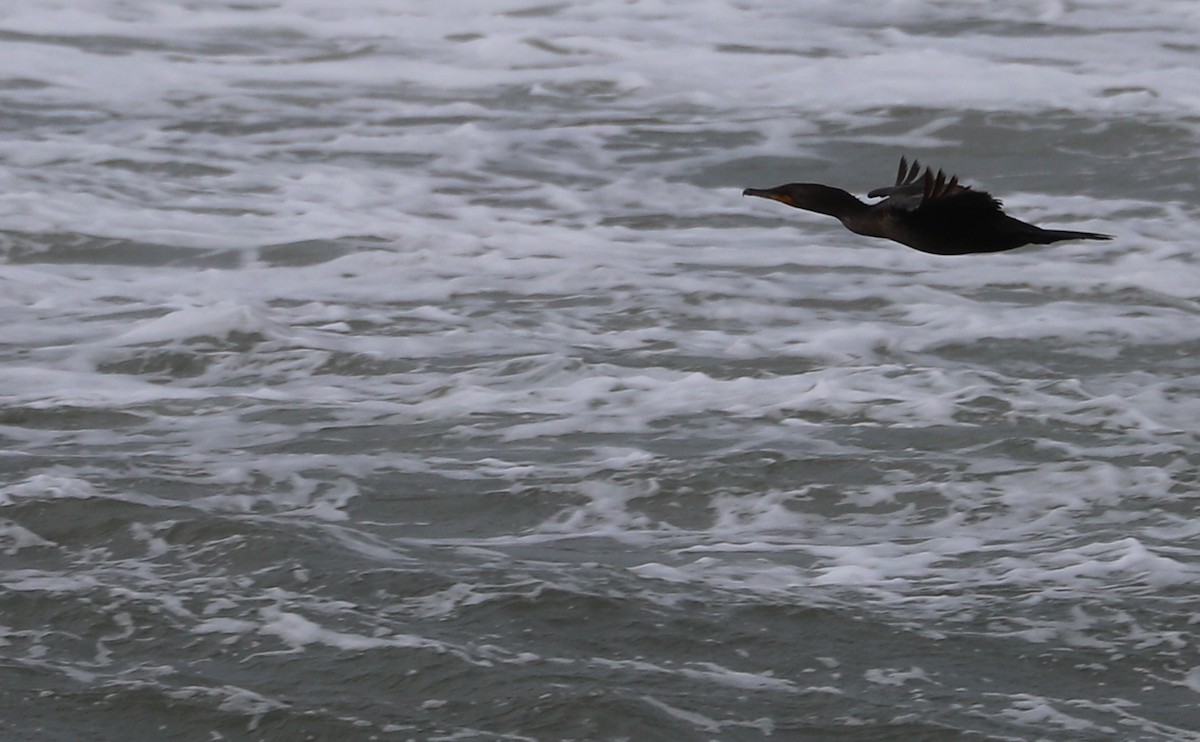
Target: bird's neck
[(854, 214)]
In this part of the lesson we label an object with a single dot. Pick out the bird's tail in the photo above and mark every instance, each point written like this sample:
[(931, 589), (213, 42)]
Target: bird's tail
[(1046, 236)]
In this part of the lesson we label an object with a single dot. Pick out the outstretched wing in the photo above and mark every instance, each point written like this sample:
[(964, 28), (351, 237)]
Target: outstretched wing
[(914, 189), (908, 175), (944, 217)]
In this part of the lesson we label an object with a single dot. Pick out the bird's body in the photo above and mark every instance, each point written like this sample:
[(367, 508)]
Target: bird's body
[(925, 212)]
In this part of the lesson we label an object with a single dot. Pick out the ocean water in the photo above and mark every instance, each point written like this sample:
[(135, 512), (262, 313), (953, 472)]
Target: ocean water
[(381, 370)]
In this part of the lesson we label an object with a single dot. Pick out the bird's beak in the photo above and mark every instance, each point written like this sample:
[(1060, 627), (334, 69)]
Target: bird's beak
[(770, 193)]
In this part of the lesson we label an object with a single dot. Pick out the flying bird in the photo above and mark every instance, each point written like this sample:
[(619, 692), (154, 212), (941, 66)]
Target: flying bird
[(925, 211)]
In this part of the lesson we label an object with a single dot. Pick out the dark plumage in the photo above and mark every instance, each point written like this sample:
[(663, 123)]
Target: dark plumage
[(924, 211)]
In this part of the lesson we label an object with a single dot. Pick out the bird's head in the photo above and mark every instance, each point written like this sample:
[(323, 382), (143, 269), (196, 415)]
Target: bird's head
[(789, 194), (822, 199)]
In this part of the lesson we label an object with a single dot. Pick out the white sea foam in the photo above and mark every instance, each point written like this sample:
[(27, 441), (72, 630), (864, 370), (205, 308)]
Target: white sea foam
[(358, 330)]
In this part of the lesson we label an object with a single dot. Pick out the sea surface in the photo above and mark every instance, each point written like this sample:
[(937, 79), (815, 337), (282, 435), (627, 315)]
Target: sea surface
[(377, 370)]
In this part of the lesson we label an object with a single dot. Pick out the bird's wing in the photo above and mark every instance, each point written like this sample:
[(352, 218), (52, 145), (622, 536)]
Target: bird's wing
[(914, 188), (948, 210), (907, 181), (908, 174)]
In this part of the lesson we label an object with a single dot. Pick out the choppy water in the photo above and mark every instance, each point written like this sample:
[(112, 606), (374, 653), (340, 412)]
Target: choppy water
[(376, 370)]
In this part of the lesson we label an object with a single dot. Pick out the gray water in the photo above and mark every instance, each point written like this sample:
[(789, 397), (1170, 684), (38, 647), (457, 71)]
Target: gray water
[(394, 371)]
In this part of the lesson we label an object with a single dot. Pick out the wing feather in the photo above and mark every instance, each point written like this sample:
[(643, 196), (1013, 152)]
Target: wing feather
[(916, 185)]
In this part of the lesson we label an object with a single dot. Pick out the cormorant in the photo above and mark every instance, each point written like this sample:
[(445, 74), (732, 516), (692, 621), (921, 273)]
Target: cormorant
[(925, 212)]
